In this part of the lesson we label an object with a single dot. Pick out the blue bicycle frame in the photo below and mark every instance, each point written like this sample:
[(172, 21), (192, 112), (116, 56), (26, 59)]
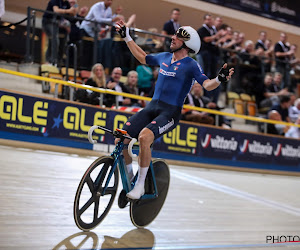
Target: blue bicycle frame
[(127, 186)]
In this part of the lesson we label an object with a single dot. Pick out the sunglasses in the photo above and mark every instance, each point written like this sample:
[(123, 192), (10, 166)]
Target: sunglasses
[(182, 34)]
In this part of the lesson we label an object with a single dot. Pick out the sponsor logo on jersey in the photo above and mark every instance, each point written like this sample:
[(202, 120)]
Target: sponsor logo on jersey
[(256, 148), (165, 127), (165, 64), (219, 142), (128, 123), (153, 122), (178, 63), (165, 73)]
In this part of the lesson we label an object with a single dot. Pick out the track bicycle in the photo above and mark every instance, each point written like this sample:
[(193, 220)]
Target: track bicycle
[(98, 187)]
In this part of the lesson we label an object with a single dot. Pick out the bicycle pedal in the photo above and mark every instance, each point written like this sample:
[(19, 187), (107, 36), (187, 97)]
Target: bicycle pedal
[(122, 200)]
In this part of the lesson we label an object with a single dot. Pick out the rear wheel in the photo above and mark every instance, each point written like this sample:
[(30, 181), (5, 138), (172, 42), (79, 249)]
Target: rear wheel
[(143, 212), (88, 210)]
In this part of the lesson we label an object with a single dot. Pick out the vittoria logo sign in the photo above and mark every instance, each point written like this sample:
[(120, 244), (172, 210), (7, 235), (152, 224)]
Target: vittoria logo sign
[(256, 148), (287, 151), (219, 142)]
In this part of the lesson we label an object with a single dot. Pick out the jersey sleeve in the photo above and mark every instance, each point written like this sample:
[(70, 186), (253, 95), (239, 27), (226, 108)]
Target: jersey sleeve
[(154, 60), (199, 74)]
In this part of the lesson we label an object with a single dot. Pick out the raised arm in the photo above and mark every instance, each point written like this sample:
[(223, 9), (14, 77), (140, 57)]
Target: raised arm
[(136, 50), (223, 76)]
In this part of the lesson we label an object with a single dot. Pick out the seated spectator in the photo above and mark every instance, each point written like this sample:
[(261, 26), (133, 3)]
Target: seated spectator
[(114, 84), (153, 44), (131, 84), (294, 110), (294, 132), (145, 76), (283, 108), (272, 90), (98, 80), (276, 129), (196, 98)]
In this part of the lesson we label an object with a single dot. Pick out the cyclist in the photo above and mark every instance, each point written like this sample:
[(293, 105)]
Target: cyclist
[(177, 74)]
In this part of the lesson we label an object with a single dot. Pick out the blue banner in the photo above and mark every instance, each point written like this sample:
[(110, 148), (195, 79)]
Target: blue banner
[(59, 122)]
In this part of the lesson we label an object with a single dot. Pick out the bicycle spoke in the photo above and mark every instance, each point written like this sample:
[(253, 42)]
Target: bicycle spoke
[(101, 176), (90, 183), (86, 205), (96, 208)]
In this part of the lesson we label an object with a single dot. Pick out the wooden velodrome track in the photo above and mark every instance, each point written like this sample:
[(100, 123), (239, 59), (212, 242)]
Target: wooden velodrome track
[(205, 208)]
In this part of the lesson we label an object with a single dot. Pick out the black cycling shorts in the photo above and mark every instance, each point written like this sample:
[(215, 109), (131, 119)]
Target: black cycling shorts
[(157, 116)]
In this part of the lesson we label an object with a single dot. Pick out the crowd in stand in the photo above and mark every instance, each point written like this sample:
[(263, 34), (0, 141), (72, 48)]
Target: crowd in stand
[(265, 68)]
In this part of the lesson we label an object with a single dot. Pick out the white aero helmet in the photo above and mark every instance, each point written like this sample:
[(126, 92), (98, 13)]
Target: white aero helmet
[(190, 38)]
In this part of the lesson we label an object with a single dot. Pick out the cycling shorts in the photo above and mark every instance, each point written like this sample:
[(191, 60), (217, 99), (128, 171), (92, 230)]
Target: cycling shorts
[(158, 116)]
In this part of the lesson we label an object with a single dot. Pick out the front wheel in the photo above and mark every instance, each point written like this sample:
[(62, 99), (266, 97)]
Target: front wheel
[(88, 210)]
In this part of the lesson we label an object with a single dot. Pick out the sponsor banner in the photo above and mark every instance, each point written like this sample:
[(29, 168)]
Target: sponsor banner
[(59, 119), (280, 10), (232, 146), (66, 123)]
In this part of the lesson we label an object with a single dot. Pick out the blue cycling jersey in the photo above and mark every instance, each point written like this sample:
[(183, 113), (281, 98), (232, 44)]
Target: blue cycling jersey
[(175, 80)]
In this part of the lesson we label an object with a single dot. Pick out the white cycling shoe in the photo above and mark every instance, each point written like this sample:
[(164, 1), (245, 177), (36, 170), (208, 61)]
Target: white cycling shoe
[(137, 192)]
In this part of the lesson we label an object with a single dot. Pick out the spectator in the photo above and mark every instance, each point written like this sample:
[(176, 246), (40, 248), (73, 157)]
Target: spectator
[(51, 28), (131, 84), (294, 132), (74, 35), (261, 42), (218, 23), (170, 27), (100, 12), (115, 84), (153, 44), (145, 76), (209, 52), (248, 54), (196, 98), (276, 129), (240, 41), (208, 55), (294, 110), (282, 56), (272, 90), (121, 54), (268, 54), (283, 107), (98, 80)]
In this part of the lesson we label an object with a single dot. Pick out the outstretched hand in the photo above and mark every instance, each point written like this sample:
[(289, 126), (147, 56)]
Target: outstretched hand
[(123, 31), (225, 74), (121, 28)]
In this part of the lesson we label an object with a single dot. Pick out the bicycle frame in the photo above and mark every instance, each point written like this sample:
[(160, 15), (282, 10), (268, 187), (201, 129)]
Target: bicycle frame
[(119, 161)]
